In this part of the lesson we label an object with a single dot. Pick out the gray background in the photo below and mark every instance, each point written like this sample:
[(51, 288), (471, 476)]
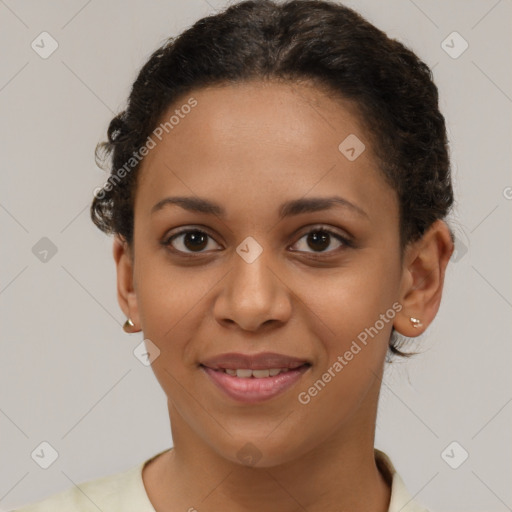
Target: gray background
[(67, 372)]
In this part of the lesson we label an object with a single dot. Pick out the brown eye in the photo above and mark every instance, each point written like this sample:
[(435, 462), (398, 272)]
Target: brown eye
[(320, 239), (189, 241)]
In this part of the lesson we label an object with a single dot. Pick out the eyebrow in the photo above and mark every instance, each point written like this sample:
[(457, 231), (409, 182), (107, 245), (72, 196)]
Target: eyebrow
[(287, 209)]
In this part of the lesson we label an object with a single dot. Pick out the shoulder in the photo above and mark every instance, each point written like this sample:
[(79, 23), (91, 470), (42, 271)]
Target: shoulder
[(119, 492), (401, 500)]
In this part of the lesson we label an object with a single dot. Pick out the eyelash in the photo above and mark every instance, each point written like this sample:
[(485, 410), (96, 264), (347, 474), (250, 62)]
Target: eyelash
[(346, 242)]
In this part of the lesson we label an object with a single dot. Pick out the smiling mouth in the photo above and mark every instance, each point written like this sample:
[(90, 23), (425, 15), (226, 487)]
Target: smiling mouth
[(252, 386), (247, 373)]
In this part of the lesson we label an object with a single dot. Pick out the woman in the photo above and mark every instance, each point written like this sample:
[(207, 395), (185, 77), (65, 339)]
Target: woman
[(278, 185)]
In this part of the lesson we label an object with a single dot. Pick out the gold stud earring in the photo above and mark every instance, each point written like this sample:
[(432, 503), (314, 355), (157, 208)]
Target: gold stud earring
[(128, 325), (415, 322)]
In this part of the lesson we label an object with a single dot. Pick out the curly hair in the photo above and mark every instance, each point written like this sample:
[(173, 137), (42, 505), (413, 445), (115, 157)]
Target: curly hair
[(315, 41)]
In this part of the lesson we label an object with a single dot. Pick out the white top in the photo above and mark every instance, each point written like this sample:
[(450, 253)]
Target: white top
[(125, 492)]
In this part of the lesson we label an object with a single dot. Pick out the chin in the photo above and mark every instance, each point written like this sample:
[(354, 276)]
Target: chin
[(260, 451)]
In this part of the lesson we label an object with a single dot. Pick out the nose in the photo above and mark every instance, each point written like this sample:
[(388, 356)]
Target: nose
[(253, 296)]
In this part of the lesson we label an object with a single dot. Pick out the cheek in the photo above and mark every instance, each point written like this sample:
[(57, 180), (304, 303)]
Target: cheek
[(352, 301), (167, 294), (355, 350), (169, 300), (357, 318)]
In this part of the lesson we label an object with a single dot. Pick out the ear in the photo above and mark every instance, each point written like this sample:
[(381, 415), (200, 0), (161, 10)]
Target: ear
[(126, 295), (424, 268)]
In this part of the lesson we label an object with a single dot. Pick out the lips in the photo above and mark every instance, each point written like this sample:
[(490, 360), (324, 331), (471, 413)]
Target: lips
[(255, 378), (262, 361)]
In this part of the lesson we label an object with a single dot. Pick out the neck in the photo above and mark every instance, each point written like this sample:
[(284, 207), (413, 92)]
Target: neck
[(339, 473)]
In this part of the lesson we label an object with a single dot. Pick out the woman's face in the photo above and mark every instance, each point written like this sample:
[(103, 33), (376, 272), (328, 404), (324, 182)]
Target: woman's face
[(260, 276)]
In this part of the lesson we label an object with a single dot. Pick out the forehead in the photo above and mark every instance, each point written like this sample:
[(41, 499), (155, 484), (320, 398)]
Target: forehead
[(259, 143)]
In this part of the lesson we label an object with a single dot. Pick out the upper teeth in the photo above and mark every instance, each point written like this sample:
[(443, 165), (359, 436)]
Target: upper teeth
[(246, 373)]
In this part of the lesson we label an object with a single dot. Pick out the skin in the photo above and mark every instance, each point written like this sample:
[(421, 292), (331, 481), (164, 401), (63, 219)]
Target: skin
[(250, 147)]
